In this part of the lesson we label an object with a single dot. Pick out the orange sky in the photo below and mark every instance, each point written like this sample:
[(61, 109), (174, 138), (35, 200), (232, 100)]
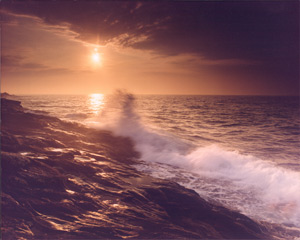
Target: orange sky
[(43, 58)]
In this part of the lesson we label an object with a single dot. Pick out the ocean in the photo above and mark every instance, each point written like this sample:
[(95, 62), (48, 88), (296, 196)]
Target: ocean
[(241, 152)]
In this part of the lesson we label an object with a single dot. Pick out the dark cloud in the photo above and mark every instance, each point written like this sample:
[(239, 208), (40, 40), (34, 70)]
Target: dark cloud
[(222, 29), (34, 66), (262, 31), (10, 61), (56, 71), (15, 63)]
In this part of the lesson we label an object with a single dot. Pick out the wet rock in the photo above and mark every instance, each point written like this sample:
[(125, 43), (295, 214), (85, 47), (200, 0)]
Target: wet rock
[(64, 181), (12, 162)]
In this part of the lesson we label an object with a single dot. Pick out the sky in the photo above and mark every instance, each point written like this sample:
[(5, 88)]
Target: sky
[(150, 47)]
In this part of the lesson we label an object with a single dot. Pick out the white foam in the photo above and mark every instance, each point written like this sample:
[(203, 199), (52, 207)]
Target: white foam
[(275, 188)]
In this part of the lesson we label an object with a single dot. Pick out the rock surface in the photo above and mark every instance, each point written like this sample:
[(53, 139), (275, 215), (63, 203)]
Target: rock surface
[(5, 95), (62, 180)]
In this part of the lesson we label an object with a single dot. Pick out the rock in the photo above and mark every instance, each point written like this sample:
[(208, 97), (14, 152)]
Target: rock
[(6, 95), (10, 105), (65, 181)]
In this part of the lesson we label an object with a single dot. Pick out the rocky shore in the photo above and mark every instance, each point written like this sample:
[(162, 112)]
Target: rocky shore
[(61, 180)]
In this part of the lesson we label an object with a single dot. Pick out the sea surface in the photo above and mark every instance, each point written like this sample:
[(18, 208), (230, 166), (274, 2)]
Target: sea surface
[(242, 152)]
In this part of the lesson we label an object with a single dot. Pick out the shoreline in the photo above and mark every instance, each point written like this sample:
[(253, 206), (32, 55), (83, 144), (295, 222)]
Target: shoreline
[(60, 179)]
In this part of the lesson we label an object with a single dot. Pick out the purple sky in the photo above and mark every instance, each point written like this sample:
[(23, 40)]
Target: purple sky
[(188, 47)]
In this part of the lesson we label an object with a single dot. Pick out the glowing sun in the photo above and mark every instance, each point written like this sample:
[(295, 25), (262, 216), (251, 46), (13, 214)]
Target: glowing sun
[(96, 58)]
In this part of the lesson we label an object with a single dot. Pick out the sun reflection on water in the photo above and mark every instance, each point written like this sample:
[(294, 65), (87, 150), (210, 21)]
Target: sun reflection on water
[(96, 102)]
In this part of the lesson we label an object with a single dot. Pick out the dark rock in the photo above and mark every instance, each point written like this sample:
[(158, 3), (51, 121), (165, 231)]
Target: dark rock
[(10, 106), (64, 181), (6, 95)]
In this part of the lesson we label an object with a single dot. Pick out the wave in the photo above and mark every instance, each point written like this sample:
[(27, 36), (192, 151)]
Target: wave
[(256, 187), (40, 112), (76, 116)]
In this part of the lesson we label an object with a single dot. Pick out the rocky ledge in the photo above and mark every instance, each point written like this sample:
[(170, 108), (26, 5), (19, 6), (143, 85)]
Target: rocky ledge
[(61, 180)]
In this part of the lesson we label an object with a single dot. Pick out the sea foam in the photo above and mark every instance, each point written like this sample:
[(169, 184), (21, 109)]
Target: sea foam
[(256, 187)]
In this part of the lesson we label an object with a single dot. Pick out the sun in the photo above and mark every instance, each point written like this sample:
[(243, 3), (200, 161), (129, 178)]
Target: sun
[(96, 57)]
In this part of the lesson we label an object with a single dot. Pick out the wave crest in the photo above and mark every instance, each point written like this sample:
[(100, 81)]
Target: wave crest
[(275, 188)]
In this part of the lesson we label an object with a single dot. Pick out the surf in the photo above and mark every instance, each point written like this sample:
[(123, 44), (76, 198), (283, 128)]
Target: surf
[(256, 187)]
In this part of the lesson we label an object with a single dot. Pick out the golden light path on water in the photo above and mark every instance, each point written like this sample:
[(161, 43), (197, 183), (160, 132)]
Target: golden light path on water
[(96, 102)]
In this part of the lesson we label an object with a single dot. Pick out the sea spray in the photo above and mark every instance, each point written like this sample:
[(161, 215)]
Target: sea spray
[(119, 116), (256, 187)]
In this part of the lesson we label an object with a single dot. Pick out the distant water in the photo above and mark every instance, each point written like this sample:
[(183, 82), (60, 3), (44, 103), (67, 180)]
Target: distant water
[(239, 151)]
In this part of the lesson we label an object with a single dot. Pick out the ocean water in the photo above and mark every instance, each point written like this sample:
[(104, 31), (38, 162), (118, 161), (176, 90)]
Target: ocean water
[(242, 152)]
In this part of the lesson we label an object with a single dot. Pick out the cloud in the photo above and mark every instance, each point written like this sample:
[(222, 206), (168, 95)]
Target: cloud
[(56, 71), (218, 30), (10, 61), (33, 66), (220, 33), (13, 62), (18, 64), (94, 21)]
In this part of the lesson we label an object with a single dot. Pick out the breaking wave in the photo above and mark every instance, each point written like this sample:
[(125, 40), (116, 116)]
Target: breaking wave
[(256, 187)]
